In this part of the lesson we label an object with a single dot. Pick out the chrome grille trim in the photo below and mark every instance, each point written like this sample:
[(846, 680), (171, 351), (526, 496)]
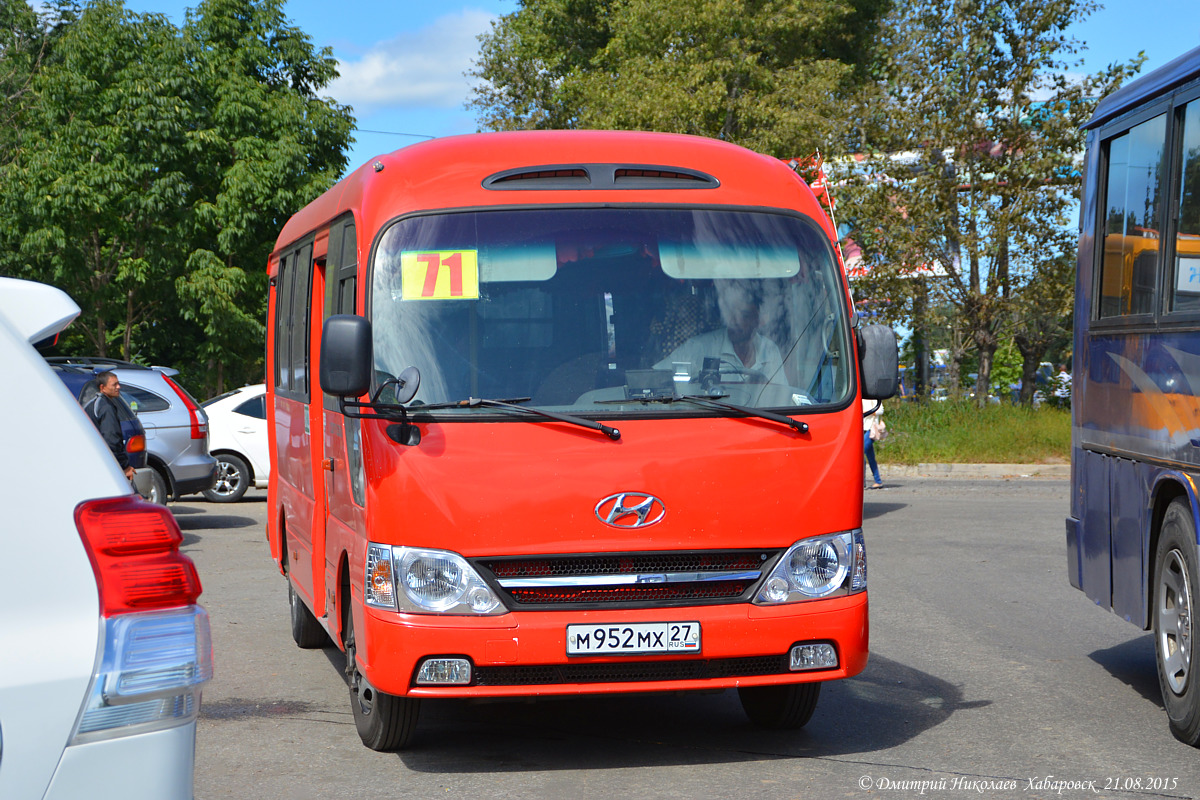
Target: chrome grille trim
[(628, 580)]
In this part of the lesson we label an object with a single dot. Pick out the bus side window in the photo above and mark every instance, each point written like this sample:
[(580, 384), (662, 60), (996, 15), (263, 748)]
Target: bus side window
[(293, 287), (1186, 295), (283, 316), (1132, 219), (341, 270), (347, 280), (301, 303)]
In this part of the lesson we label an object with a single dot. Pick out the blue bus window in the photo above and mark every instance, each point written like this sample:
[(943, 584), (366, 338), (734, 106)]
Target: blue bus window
[(1134, 193), (1187, 237)]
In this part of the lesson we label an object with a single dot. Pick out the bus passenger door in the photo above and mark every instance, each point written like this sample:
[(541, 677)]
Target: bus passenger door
[(315, 422), (345, 523), (299, 495)]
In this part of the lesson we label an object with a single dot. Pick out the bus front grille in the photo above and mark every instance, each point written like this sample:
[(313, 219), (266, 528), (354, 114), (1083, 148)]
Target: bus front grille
[(630, 580)]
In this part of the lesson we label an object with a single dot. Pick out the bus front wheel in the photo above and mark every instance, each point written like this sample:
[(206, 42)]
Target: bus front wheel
[(307, 632), (1176, 592), (384, 722), (780, 707)]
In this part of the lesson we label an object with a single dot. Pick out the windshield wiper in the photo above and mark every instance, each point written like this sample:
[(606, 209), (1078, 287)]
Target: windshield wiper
[(715, 402), (510, 404)]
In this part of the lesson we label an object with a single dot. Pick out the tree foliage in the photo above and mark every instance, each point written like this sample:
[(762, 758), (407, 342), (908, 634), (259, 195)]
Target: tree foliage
[(767, 74), (973, 145), (270, 145), (24, 45), (1043, 314), (98, 187), (156, 166)]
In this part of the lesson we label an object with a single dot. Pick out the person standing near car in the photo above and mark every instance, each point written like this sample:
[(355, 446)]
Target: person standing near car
[(102, 410)]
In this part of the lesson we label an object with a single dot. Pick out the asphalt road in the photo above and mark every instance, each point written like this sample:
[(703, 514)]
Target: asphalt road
[(989, 677)]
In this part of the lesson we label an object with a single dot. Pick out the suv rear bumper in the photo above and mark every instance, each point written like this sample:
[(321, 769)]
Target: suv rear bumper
[(148, 766), (194, 485)]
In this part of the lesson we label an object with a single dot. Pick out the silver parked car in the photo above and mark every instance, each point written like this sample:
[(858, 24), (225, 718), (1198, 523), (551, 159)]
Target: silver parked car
[(103, 649), (176, 426)]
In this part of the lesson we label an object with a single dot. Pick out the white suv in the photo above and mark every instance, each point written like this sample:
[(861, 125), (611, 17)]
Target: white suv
[(103, 650)]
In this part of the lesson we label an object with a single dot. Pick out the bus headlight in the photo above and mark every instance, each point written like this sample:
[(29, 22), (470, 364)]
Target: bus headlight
[(822, 566), (424, 581)]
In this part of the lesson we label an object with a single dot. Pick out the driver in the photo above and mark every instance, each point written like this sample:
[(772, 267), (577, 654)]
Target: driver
[(738, 346)]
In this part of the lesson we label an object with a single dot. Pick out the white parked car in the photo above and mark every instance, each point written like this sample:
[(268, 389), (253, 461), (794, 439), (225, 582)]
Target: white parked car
[(237, 438), (103, 649)]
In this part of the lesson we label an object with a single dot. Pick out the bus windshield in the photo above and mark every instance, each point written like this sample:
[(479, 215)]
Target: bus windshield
[(612, 311)]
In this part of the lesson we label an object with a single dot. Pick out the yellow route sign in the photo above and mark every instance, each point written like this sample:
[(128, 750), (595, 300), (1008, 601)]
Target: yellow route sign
[(439, 274)]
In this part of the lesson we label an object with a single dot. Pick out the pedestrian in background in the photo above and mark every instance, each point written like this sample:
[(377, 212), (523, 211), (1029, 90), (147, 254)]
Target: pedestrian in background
[(1062, 387), (102, 410), (874, 430)]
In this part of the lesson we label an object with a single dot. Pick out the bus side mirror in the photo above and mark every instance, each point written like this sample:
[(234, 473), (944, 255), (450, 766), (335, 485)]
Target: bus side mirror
[(879, 362), (346, 356)]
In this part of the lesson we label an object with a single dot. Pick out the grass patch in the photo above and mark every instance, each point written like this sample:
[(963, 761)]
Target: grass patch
[(959, 432)]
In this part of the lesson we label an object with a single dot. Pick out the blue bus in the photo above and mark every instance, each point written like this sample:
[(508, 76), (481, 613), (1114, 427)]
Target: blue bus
[(1135, 461)]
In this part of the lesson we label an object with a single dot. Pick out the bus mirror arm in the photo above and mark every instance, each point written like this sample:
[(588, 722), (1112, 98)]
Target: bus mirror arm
[(401, 431), (878, 361)]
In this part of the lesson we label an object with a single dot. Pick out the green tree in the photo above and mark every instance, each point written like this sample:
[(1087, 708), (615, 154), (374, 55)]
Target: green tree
[(972, 133), (96, 191), (766, 74), (23, 47), (268, 146), (1006, 369), (528, 54), (1043, 314), (156, 168)]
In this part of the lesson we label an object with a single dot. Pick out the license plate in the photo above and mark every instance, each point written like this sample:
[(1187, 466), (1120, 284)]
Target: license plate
[(636, 638)]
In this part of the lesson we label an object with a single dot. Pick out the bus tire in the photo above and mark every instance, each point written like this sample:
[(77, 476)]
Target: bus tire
[(306, 631), (384, 722), (784, 707), (1176, 593)]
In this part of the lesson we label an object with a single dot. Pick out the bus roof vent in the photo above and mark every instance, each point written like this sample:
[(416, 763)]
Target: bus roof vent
[(662, 178), (600, 176), (547, 177)]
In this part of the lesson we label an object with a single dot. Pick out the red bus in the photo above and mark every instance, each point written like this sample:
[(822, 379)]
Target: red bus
[(558, 413)]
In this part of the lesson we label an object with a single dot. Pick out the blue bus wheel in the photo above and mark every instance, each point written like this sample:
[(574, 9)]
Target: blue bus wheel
[(1176, 593)]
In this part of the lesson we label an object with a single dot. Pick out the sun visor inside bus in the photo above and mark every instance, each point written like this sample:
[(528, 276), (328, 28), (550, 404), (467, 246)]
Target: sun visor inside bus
[(689, 260), (534, 261)]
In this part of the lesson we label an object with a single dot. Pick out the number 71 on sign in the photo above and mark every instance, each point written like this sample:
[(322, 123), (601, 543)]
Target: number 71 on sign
[(439, 274)]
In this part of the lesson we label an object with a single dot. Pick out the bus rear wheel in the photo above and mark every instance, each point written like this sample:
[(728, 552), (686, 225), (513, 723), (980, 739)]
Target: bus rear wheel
[(1176, 593), (780, 707), (384, 722)]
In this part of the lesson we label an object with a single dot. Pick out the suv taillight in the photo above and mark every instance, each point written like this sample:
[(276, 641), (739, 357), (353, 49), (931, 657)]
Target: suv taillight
[(156, 651), (199, 429), (136, 444), (134, 547)]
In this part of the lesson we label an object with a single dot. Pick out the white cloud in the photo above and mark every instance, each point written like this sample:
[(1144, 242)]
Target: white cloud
[(418, 69)]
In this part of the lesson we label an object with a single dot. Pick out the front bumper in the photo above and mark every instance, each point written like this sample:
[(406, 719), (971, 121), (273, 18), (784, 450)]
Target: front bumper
[(524, 653)]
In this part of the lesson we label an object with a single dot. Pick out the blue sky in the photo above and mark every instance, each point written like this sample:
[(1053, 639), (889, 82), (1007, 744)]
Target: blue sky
[(402, 61)]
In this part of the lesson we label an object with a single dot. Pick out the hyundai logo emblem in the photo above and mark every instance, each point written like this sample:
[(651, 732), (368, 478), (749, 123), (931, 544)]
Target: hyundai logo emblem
[(630, 510)]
